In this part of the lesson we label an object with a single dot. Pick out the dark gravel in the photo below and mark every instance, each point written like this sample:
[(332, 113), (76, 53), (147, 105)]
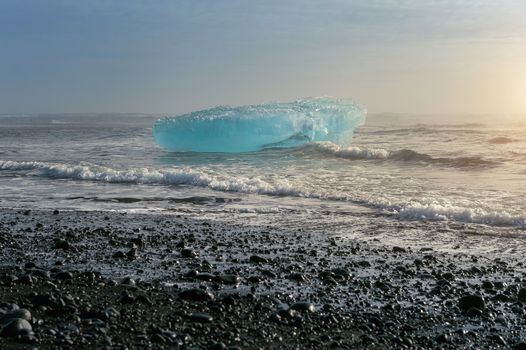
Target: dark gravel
[(93, 280)]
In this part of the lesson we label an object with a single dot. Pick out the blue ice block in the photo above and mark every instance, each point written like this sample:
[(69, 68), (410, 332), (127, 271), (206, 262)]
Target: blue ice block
[(256, 127)]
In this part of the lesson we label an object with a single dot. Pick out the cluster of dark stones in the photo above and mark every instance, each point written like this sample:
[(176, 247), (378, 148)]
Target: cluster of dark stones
[(211, 286)]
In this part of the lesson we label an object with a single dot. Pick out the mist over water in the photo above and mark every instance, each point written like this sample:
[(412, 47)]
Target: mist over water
[(413, 169)]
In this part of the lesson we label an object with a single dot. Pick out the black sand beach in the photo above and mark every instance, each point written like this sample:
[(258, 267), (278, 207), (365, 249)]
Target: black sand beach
[(134, 281)]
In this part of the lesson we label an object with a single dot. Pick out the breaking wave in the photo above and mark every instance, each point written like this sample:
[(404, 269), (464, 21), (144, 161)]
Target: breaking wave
[(179, 176), (422, 209), (404, 155)]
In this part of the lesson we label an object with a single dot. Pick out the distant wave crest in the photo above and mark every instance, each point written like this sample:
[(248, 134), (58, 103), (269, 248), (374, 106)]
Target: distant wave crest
[(404, 155)]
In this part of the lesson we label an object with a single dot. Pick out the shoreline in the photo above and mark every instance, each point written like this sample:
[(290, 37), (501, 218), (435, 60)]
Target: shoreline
[(104, 279)]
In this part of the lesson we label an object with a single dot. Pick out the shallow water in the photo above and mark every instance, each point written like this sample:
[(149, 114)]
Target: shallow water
[(460, 170)]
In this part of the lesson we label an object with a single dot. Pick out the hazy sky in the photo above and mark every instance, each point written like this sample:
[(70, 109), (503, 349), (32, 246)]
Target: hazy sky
[(427, 56)]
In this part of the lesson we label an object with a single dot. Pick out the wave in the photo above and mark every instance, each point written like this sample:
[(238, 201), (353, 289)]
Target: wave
[(440, 212), (423, 129), (353, 152), (404, 155), (181, 176), (500, 140), (60, 122), (422, 209)]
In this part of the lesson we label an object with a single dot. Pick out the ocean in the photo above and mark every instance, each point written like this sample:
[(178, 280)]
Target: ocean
[(426, 179)]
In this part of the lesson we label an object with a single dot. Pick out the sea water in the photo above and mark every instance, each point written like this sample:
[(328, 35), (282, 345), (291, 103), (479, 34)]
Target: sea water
[(430, 174)]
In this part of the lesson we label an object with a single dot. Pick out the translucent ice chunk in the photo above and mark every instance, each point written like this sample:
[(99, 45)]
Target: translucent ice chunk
[(252, 128)]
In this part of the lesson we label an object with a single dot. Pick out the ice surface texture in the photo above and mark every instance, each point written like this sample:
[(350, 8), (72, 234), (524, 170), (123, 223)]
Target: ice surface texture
[(253, 128)]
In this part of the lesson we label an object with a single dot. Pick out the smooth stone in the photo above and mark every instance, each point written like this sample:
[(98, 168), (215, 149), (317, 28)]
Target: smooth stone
[(126, 299), (498, 339), (487, 285), (286, 313), (119, 255), (196, 294), (24, 314), (188, 253), (303, 306), (469, 301), (217, 346), (26, 279), (398, 250), (204, 276), (442, 338), (229, 279), (62, 244), (342, 273), (299, 277), (258, 259), (44, 300), (111, 313), (143, 299), (40, 273), (201, 317), (15, 327), (64, 275), (501, 297), (474, 312)]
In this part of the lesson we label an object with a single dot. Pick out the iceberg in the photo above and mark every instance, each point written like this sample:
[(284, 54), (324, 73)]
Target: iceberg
[(257, 127)]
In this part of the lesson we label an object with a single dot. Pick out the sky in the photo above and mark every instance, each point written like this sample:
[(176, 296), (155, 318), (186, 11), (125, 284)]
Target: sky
[(171, 56)]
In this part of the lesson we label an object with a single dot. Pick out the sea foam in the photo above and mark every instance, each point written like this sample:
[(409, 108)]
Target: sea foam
[(252, 128), (422, 209)]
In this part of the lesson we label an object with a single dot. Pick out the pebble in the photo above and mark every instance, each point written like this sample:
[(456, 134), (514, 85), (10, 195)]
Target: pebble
[(498, 339), (399, 250), (303, 306), (469, 301), (442, 338), (203, 276), (196, 294), (188, 253), (474, 312), (201, 317), (111, 313), (126, 298), (217, 346), (487, 285), (229, 279), (299, 277), (258, 259), (24, 314), (64, 275), (15, 327), (62, 244), (119, 255)]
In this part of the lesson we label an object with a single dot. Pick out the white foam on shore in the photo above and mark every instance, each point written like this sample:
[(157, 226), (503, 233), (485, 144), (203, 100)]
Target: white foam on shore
[(419, 211), (409, 209)]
